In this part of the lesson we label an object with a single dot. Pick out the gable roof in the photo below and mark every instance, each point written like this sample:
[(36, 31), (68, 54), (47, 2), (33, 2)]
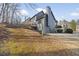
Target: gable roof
[(41, 15), (38, 15), (53, 16), (48, 7)]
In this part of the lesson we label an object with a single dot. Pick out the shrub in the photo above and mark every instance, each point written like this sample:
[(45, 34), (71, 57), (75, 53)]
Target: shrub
[(59, 30), (68, 31)]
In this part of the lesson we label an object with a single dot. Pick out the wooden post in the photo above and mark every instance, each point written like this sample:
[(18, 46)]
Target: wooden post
[(43, 26)]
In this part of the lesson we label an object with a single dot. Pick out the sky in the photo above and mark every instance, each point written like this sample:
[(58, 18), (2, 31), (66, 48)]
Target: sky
[(61, 11)]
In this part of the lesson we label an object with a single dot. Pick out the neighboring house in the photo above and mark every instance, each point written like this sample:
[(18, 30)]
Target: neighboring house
[(45, 22), (65, 24), (77, 26)]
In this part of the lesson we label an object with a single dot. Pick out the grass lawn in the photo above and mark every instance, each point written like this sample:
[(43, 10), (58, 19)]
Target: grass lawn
[(27, 42)]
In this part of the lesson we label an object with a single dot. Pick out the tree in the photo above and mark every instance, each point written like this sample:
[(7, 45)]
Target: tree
[(8, 13), (5, 12), (73, 25)]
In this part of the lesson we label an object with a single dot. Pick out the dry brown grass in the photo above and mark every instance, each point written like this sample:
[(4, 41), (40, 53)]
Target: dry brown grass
[(28, 42)]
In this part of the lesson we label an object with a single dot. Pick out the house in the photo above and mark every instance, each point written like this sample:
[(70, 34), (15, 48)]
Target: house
[(65, 24), (77, 26), (26, 21), (44, 21)]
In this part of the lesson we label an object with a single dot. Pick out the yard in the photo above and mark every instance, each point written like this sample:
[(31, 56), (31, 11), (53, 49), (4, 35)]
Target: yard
[(20, 41)]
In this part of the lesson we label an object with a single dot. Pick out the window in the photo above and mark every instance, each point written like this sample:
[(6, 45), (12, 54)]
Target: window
[(46, 20)]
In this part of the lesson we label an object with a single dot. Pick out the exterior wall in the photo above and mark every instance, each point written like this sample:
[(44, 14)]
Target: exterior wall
[(51, 20), (33, 20), (41, 25)]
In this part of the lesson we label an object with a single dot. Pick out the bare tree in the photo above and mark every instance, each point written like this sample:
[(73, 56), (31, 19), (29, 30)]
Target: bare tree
[(8, 13)]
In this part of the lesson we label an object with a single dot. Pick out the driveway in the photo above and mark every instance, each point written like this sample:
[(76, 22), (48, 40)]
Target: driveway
[(65, 35)]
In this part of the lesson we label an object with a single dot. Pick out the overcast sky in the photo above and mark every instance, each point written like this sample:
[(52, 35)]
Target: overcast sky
[(61, 11)]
